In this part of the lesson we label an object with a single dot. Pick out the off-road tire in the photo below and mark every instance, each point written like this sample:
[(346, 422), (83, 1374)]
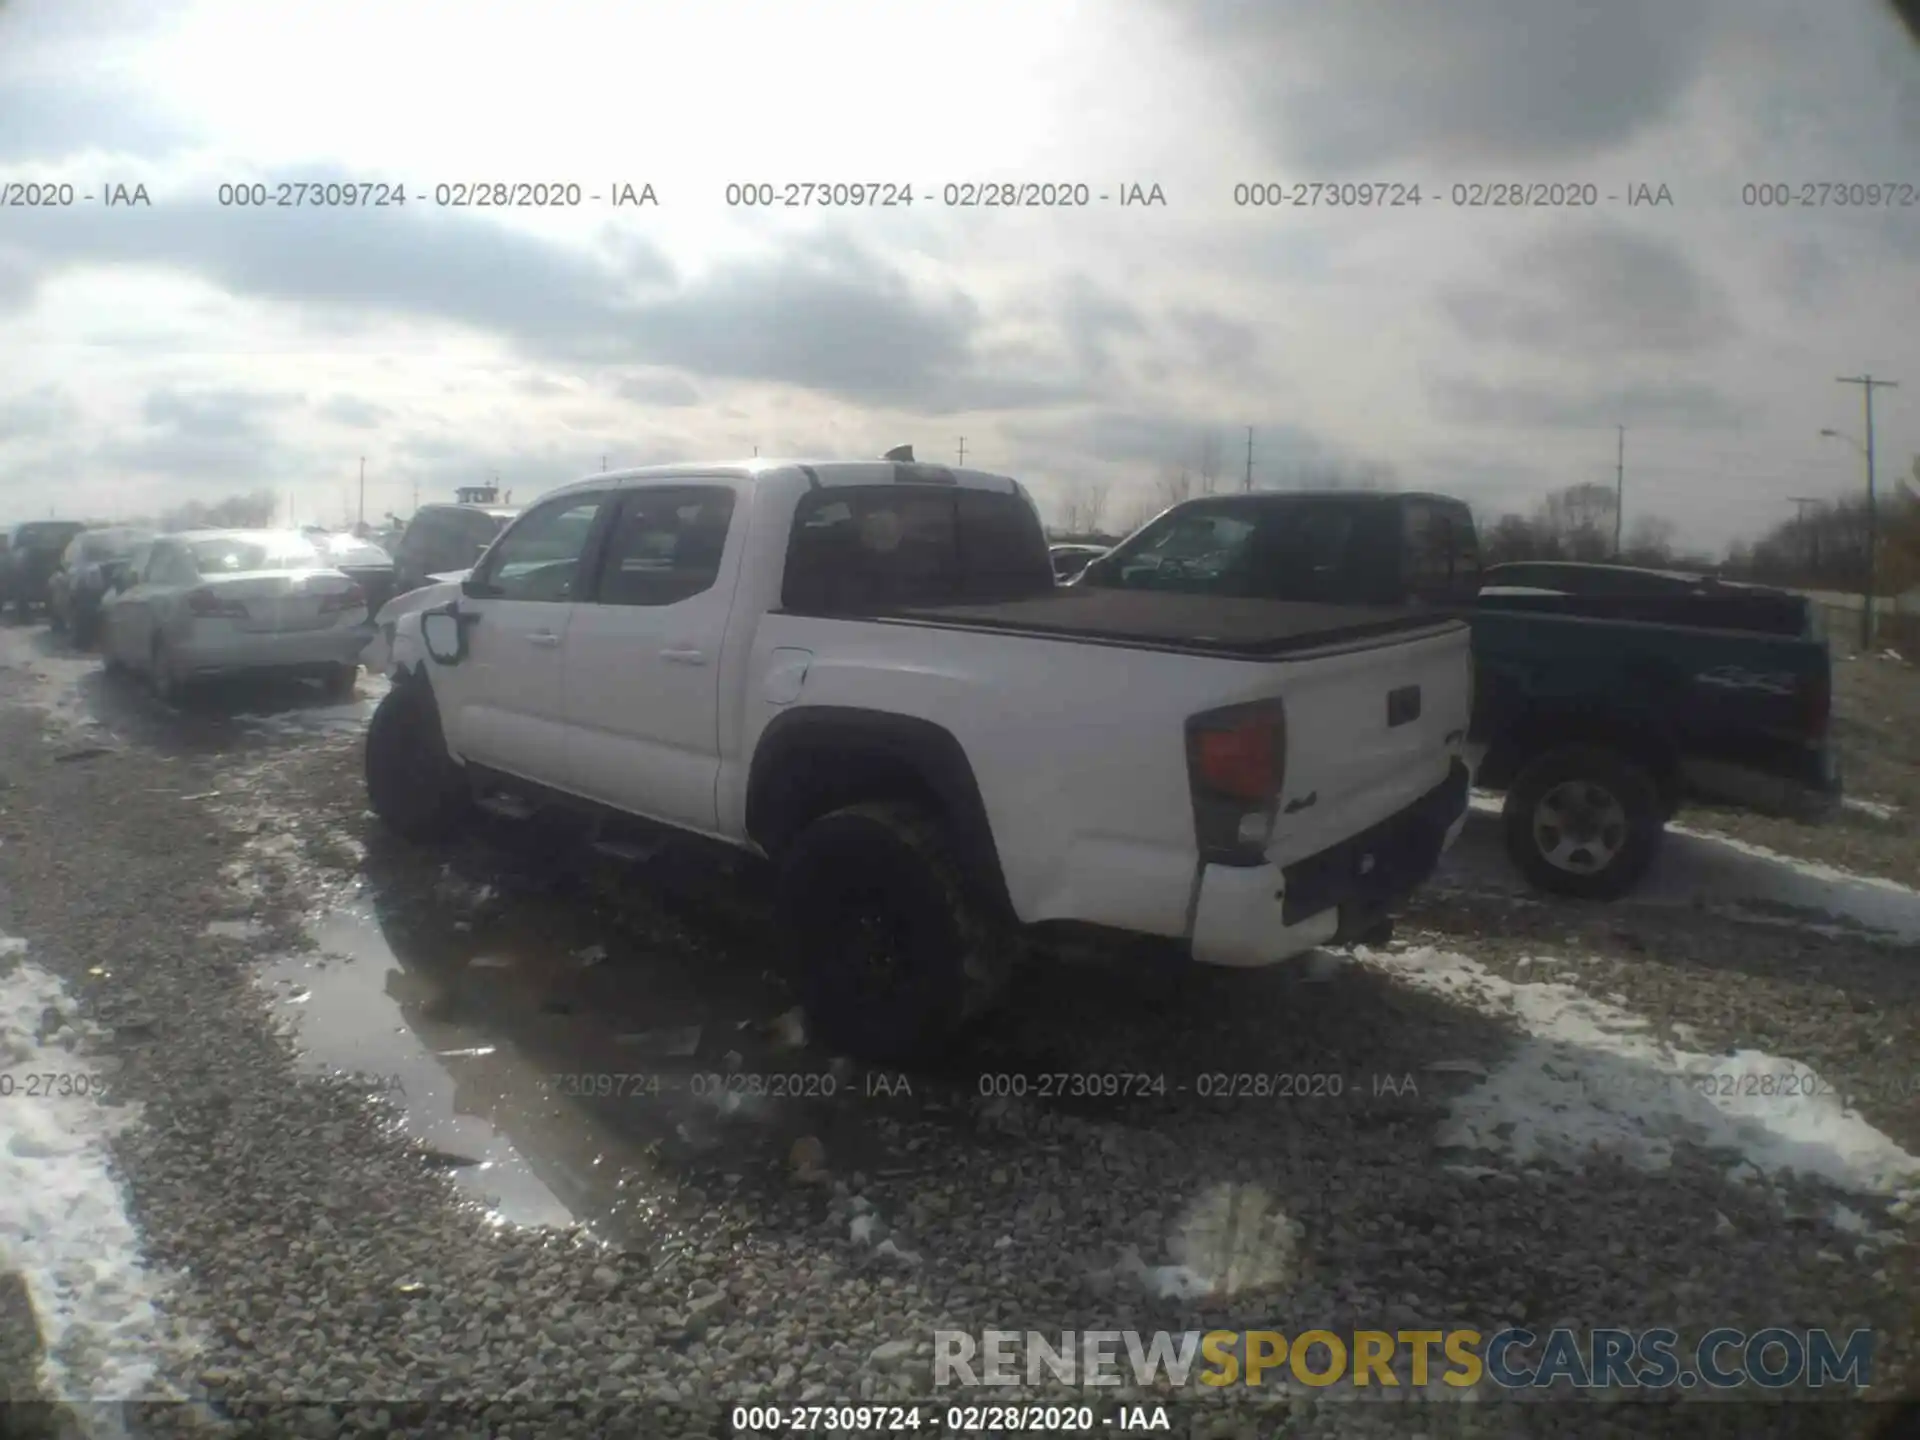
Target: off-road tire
[(1626, 780), (414, 786), (888, 866)]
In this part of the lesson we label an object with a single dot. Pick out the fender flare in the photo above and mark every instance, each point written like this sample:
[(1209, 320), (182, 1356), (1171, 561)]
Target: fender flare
[(812, 759)]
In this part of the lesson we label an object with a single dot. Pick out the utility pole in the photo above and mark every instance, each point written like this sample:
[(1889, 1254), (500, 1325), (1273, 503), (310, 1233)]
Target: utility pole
[(1867, 386), (963, 449), (416, 495), (1247, 484), (363, 489), (1619, 488), (603, 464)]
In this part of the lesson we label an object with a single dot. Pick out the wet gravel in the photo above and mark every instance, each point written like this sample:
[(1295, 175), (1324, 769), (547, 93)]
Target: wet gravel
[(326, 1263)]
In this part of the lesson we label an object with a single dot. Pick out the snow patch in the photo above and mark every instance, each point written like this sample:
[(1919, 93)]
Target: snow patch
[(64, 1227), (1591, 1076)]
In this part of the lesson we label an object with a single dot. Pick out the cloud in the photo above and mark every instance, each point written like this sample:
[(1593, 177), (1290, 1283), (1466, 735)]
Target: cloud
[(53, 117), (1090, 318), (1683, 404), (1343, 88), (1143, 438), (214, 415), (1216, 344), (353, 413), (823, 314), (39, 414), (1603, 289), (657, 388)]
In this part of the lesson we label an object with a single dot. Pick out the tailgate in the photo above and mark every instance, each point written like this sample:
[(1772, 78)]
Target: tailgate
[(1369, 731)]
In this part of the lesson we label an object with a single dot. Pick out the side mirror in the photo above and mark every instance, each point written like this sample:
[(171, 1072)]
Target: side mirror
[(444, 633)]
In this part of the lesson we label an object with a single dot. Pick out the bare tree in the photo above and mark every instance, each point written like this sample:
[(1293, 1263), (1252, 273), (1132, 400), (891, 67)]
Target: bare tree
[(1579, 519), (253, 511), (1174, 485), (1650, 543), (1080, 512)]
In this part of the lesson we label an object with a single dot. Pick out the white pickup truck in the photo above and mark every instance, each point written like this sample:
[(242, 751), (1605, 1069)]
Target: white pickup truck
[(865, 672)]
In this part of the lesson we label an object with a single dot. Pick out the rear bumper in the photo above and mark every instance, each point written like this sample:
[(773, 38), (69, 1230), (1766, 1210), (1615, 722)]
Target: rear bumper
[(1263, 914), (292, 651)]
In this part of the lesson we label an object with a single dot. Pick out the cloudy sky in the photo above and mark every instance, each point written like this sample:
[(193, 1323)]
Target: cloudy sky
[(185, 349)]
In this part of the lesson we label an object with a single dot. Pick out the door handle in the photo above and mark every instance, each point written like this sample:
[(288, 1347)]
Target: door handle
[(684, 655), (544, 637)]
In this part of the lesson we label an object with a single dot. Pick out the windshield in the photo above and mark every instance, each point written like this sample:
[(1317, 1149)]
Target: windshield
[(239, 554), (1284, 550)]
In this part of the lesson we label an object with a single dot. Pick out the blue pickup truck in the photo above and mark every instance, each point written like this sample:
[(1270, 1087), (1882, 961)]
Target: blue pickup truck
[(1602, 702)]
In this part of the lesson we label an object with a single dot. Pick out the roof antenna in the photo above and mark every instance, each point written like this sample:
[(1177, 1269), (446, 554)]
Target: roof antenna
[(900, 455)]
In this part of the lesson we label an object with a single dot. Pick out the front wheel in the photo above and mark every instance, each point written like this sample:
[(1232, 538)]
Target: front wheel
[(414, 786), (1583, 821), (892, 956)]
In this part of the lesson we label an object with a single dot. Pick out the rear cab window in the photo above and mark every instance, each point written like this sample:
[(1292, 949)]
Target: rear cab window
[(862, 548)]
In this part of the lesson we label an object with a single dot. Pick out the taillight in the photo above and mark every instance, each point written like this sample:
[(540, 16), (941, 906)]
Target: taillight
[(1239, 762), (1236, 766), (351, 598), (212, 604)]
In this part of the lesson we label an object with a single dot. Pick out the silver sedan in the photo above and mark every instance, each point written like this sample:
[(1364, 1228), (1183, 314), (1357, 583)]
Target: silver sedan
[(214, 602)]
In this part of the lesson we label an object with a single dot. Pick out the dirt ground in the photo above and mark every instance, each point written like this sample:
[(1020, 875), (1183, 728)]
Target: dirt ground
[(1877, 831)]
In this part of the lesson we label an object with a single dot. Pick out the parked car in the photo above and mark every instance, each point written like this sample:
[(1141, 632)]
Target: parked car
[(866, 673), (35, 554), (444, 538), (1070, 560), (213, 602), (93, 560), (1597, 715), (367, 564)]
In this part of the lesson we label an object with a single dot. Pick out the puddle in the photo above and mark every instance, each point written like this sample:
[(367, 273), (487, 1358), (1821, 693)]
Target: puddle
[(581, 1091), (1695, 868)]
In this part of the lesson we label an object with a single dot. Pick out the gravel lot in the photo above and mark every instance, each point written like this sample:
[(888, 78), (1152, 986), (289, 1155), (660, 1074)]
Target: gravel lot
[(209, 888)]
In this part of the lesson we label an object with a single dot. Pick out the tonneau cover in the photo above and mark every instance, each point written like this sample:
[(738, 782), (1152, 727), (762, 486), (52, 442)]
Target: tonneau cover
[(1207, 624)]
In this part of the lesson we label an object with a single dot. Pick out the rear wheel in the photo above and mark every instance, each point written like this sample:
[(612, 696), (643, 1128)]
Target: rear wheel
[(86, 629), (892, 955), (56, 619), (1583, 821), (415, 787), (340, 680)]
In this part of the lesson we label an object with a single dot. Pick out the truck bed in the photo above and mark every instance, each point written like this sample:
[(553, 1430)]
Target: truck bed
[(1191, 624)]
